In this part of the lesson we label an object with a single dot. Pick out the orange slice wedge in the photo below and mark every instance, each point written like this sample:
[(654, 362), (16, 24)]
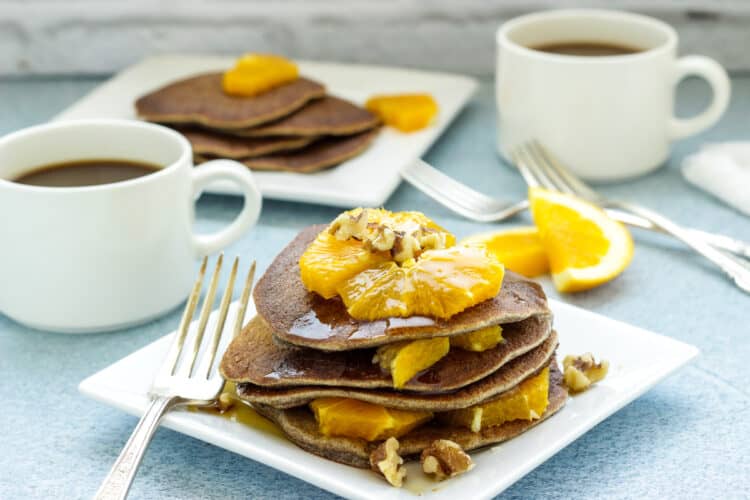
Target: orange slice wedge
[(519, 249), (439, 284), (585, 247)]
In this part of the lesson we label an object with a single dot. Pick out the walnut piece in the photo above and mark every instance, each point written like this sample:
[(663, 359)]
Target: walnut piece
[(579, 372), (405, 247), (380, 237), (386, 461), (225, 402), (444, 459), (347, 226)]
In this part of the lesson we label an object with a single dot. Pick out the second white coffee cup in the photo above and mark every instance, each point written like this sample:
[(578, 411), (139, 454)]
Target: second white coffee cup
[(605, 117), (104, 257)]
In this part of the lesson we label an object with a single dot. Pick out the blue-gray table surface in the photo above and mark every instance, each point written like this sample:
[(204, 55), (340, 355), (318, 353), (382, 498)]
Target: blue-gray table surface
[(689, 437)]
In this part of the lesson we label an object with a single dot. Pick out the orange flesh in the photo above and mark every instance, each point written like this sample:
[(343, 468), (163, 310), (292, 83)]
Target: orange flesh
[(404, 360), (257, 73), (441, 283), (328, 262), (577, 242), (405, 112), (479, 340), (521, 252), (527, 401), (358, 419)]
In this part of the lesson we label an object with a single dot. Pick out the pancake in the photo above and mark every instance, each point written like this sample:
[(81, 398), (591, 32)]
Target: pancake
[(503, 379), (201, 99), (254, 357), (327, 116), (208, 142), (323, 153), (300, 427), (303, 318)]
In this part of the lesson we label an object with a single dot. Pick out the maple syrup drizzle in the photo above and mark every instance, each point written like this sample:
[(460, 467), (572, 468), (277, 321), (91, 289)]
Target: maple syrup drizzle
[(241, 412)]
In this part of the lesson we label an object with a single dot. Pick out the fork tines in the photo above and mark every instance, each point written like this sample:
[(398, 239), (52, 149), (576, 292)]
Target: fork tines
[(540, 168), (184, 365)]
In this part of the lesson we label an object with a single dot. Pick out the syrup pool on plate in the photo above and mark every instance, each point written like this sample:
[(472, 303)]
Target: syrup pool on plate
[(239, 411)]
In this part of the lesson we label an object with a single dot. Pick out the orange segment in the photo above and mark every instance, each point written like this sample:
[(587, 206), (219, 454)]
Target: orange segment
[(519, 249), (527, 401), (440, 283), (403, 360), (328, 262), (406, 112), (585, 247), (257, 73), (479, 340), (349, 417), (359, 419), (405, 421)]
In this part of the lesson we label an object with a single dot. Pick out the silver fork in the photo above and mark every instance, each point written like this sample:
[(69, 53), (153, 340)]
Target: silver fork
[(180, 381), (479, 207), (459, 198), (540, 168)]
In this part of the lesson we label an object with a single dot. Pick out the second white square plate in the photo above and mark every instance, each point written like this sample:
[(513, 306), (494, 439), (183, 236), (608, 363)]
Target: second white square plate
[(638, 360), (366, 180)]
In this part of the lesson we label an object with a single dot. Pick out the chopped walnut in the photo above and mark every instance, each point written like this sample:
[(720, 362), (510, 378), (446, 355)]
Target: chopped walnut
[(347, 226), (225, 401), (386, 461), (380, 237), (579, 372), (406, 247), (432, 239), (444, 459)]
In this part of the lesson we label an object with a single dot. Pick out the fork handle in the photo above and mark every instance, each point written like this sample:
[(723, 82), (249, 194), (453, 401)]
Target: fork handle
[(717, 240), (735, 268), (724, 242), (120, 477)]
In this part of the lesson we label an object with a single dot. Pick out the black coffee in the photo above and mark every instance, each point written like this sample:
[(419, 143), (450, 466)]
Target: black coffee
[(592, 49), (85, 173)]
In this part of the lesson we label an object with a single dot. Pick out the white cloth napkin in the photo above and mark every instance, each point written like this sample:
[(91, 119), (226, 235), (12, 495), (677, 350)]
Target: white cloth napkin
[(722, 169)]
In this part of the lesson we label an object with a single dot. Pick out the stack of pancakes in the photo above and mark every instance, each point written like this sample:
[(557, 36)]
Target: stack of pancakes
[(294, 127), (301, 347)]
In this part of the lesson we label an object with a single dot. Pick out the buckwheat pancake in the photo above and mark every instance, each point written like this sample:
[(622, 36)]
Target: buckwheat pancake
[(304, 318), (326, 116), (300, 427), (201, 99), (323, 153), (504, 378), (208, 142), (254, 357)]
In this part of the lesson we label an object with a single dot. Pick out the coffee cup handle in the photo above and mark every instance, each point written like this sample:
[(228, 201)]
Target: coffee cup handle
[(717, 78), (240, 175)]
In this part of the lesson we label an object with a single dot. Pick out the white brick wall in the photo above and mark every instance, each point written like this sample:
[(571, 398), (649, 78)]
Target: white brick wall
[(85, 36)]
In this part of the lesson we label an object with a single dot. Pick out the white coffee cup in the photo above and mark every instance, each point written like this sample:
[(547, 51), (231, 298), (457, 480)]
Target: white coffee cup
[(604, 117), (104, 257)]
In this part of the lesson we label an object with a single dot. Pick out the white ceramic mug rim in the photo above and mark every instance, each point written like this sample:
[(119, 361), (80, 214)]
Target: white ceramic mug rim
[(669, 44), (28, 133)]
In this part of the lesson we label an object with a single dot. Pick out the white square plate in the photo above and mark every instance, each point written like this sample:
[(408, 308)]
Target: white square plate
[(366, 180), (638, 360)]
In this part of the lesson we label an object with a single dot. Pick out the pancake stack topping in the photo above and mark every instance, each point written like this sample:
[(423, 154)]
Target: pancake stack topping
[(379, 339), (385, 265), (257, 73)]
